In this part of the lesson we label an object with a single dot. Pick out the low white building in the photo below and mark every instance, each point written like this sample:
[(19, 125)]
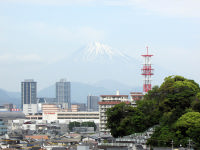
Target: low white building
[(66, 117), (78, 116), (29, 127), (30, 108), (49, 116)]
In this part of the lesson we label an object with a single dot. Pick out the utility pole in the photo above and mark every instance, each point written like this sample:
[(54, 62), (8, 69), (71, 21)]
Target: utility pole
[(42, 144), (172, 145), (189, 145)]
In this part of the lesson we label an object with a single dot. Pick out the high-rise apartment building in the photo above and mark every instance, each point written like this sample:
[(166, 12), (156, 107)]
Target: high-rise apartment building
[(92, 103), (28, 92), (63, 93), (29, 96), (108, 101)]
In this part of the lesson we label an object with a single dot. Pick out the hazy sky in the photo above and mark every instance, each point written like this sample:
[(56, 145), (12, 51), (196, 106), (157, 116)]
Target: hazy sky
[(38, 33)]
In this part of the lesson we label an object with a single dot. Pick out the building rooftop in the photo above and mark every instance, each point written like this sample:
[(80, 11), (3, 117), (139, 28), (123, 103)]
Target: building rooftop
[(45, 137), (28, 80), (11, 115)]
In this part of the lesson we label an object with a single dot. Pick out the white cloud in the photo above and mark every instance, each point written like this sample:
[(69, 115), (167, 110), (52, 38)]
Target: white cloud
[(178, 59), (51, 2), (66, 34), (46, 35), (16, 58), (89, 34), (180, 8), (175, 8)]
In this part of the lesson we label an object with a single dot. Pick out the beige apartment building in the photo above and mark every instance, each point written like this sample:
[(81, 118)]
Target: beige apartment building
[(108, 101)]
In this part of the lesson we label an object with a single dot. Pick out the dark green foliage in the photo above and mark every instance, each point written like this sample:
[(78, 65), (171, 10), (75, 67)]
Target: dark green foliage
[(174, 106), (83, 124), (74, 124), (196, 103), (177, 97), (153, 94), (118, 119), (188, 125), (89, 124), (162, 137)]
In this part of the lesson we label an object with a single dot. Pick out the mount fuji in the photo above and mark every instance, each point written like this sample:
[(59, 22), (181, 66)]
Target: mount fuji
[(97, 62), (93, 63), (99, 53)]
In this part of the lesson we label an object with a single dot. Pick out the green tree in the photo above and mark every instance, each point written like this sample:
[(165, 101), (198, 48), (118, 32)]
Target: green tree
[(151, 114), (177, 94), (153, 94), (196, 103), (74, 124), (176, 99), (89, 124), (189, 126), (124, 119), (83, 124), (117, 118)]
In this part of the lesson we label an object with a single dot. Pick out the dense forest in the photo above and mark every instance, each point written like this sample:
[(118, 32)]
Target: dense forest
[(173, 108)]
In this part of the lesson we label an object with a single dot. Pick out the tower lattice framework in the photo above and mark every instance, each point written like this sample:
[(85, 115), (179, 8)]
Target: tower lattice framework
[(147, 72)]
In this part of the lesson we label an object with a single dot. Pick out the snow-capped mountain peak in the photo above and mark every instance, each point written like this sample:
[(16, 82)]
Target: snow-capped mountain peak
[(97, 52), (97, 48)]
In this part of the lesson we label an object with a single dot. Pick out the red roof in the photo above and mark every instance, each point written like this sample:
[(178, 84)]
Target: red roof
[(37, 136)]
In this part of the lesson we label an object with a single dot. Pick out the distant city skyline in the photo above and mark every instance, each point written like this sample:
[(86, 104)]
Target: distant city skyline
[(38, 36)]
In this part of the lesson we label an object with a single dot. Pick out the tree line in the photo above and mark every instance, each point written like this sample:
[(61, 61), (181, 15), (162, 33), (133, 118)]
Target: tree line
[(174, 108)]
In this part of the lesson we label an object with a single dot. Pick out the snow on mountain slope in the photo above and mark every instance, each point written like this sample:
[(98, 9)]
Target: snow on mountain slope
[(97, 52), (96, 62)]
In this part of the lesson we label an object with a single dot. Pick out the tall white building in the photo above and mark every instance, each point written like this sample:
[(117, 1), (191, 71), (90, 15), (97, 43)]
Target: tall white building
[(63, 93), (108, 101), (29, 96)]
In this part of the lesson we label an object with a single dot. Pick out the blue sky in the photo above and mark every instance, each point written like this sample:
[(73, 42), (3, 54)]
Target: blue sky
[(38, 33)]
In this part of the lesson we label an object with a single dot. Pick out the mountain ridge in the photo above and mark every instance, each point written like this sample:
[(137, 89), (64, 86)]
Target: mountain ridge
[(98, 52), (79, 91)]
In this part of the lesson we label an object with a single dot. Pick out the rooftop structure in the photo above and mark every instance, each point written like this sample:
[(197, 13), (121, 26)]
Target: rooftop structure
[(135, 96)]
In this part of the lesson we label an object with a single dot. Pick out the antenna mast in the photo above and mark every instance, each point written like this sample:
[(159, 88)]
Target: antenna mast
[(147, 72)]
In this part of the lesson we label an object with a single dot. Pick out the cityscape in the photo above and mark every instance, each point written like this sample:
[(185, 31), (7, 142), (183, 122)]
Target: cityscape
[(56, 123), (99, 75), (45, 120)]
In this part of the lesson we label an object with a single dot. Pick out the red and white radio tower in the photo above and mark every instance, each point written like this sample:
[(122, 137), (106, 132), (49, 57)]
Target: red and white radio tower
[(147, 72)]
